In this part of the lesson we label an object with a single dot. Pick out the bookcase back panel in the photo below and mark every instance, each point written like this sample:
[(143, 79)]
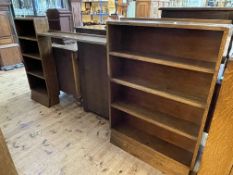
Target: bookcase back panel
[(37, 84), (32, 64), (183, 43), (189, 84), (25, 28), (29, 47)]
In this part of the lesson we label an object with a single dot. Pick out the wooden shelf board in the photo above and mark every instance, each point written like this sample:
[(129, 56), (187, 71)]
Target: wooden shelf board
[(30, 38), (38, 74), (160, 92), (32, 55), (187, 64), (178, 126), (154, 143)]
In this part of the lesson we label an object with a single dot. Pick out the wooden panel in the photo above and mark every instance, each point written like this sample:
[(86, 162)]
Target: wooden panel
[(203, 13), (10, 56), (41, 71), (93, 77), (5, 29), (67, 70), (217, 157), (143, 9), (231, 173), (7, 166)]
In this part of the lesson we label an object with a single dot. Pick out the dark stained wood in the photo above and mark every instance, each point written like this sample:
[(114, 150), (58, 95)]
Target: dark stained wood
[(93, 77), (92, 69), (203, 13), (60, 20), (38, 60), (155, 86), (7, 166), (95, 29), (66, 61)]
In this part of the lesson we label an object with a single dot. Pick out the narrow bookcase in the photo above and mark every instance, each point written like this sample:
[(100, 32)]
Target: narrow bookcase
[(162, 76), (38, 60)]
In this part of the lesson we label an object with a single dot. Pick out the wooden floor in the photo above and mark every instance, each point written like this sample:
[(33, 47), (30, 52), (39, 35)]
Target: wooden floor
[(62, 140)]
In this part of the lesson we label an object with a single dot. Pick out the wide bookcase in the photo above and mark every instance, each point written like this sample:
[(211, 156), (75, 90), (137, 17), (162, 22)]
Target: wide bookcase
[(162, 77), (38, 60)]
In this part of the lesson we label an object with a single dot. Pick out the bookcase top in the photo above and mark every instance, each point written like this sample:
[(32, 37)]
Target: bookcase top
[(172, 24)]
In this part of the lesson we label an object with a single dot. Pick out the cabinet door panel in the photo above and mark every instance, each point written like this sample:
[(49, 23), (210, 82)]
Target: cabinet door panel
[(143, 9), (5, 29)]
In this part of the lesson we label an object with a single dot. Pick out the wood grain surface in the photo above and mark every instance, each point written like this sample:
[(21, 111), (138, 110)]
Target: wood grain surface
[(217, 157)]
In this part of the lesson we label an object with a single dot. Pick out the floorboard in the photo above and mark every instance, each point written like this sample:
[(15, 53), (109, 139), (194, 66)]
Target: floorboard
[(61, 140)]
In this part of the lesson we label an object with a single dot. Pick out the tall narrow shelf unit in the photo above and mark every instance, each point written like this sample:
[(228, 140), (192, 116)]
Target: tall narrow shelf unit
[(162, 76), (38, 60)]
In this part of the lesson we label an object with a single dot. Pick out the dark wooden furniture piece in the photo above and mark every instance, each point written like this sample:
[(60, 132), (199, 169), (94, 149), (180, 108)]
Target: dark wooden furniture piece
[(93, 71), (199, 13), (160, 91), (60, 20), (92, 65), (94, 78), (38, 60), (9, 50), (66, 60), (7, 166), (95, 29)]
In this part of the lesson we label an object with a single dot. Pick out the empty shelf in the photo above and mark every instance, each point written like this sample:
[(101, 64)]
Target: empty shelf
[(173, 124), (160, 92), (188, 64)]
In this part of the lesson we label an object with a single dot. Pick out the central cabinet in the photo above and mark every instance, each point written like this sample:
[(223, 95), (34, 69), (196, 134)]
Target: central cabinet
[(162, 76)]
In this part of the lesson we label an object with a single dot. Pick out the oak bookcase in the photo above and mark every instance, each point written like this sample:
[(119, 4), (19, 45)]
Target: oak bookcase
[(162, 77), (38, 60)]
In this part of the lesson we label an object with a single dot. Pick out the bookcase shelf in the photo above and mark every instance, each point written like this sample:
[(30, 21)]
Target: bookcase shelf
[(32, 55), (162, 77), (30, 38), (193, 65), (178, 126), (126, 81), (39, 64)]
